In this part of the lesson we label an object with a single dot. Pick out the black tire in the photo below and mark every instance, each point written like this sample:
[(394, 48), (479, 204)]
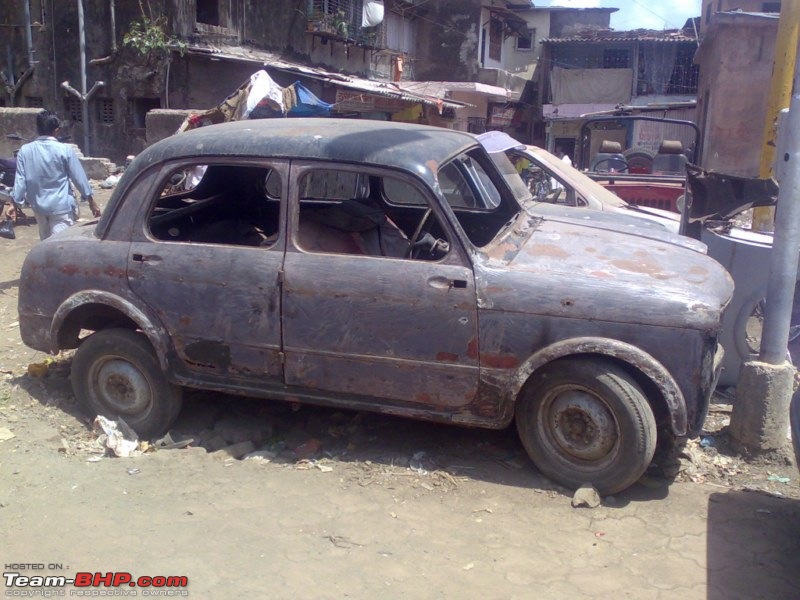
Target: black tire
[(592, 397), (115, 373)]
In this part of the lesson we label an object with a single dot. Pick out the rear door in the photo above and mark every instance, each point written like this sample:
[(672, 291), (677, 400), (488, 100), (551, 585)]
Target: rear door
[(206, 259)]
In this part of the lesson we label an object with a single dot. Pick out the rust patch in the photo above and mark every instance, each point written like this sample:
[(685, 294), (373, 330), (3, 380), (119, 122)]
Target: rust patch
[(642, 266), (499, 361), (423, 397), (185, 321), (114, 272), (549, 250), (447, 357), (70, 269), (472, 348)]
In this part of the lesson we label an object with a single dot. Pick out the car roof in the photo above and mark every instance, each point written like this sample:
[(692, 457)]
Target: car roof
[(401, 145), (418, 149)]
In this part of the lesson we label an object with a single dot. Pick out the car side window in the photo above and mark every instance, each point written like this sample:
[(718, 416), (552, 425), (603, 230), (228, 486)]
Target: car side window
[(344, 212), (218, 204)]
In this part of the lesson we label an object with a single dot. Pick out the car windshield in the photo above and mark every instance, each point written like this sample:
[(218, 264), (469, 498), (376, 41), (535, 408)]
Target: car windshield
[(485, 199), (571, 175)]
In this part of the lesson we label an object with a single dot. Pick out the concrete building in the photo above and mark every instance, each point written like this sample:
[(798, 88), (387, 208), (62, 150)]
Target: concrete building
[(596, 71), (735, 60), (711, 7)]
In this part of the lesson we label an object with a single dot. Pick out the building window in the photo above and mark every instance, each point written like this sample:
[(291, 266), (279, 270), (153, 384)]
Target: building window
[(616, 58), (138, 109), (495, 39), (72, 109), (34, 102), (685, 73), (208, 12), (105, 110), (525, 43)]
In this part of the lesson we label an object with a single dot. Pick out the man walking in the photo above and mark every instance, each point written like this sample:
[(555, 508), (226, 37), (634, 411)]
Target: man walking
[(45, 168)]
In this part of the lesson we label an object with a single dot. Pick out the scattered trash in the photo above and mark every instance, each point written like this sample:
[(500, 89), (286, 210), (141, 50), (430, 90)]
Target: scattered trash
[(307, 449), (235, 450), (468, 567), (341, 541), (778, 478), (38, 369), (324, 468), (170, 443), (117, 436), (6, 434), (264, 456), (587, 496), (109, 182), (134, 471), (707, 442), (599, 534)]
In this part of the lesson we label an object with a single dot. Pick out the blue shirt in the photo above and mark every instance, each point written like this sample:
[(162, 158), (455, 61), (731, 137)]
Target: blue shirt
[(45, 167)]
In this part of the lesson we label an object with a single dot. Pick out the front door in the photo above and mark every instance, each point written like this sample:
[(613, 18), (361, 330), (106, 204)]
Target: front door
[(362, 318)]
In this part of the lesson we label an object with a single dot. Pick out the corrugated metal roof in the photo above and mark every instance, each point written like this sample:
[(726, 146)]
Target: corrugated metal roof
[(439, 89), (637, 35), (371, 86)]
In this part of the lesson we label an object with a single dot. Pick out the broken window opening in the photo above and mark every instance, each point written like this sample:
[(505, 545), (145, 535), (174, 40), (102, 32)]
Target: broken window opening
[(218, 204), (344, 212), (525, 43), (138, 109), (495, 39), (208, 12)]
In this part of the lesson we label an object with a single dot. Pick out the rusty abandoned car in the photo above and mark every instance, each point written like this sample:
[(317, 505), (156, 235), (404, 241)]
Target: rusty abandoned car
[(383, 267)]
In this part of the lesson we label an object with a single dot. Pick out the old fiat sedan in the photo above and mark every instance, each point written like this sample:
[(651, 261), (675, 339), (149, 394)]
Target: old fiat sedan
[(383, 267)]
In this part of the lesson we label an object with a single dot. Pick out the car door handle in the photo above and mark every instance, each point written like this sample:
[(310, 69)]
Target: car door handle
[(146, 258), (446, 283)]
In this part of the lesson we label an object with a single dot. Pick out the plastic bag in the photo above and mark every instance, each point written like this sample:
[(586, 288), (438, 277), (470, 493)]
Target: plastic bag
[(7, 229)]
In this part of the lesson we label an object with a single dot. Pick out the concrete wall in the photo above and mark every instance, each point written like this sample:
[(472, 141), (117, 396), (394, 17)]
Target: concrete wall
[(16, 120), (565, 22), (449, 41), (710, 7), (164, 123), (735, 61)]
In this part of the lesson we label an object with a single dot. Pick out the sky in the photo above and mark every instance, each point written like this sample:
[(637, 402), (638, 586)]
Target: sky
[(636, 14)]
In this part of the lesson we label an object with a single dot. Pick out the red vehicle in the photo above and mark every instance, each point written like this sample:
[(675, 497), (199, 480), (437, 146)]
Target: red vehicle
[(634, 174)]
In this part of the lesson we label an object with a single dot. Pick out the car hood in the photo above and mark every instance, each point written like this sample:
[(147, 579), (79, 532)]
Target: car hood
[(624, 220), (564, 268)]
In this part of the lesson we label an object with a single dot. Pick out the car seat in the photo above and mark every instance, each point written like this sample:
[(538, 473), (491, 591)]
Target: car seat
[(670, 158), (609, 158)]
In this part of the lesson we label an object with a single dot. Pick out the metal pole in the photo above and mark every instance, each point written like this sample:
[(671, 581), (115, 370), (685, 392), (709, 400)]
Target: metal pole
[(784, 257), (780, 91), (84, 100), (28, 34)]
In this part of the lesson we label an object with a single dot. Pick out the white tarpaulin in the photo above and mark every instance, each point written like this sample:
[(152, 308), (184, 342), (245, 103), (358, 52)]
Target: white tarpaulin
[(599, 86), (372, 14), (262, 87)]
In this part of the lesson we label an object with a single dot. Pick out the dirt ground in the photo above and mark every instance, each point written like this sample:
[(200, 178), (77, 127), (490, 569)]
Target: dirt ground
[(337, 504)]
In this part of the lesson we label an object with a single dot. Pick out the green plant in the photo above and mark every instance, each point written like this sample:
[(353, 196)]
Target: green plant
[(148, 37)]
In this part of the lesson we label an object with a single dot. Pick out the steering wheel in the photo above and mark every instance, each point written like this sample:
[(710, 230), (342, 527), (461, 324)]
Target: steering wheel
[(624, 169), (418, 233)]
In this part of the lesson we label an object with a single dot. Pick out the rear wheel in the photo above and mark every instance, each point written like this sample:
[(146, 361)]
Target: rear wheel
[(115, 373), (587, 421)]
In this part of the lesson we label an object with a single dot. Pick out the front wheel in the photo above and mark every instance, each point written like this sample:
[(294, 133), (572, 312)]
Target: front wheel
[(115, 373), (587, 421)]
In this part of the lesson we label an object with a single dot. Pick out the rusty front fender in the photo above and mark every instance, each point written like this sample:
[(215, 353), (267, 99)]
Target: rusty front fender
[(633, 356), (147, 323)]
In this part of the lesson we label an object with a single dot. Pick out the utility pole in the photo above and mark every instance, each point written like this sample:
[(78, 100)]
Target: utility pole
[(760, 417), (779, 95), (83, 95)]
